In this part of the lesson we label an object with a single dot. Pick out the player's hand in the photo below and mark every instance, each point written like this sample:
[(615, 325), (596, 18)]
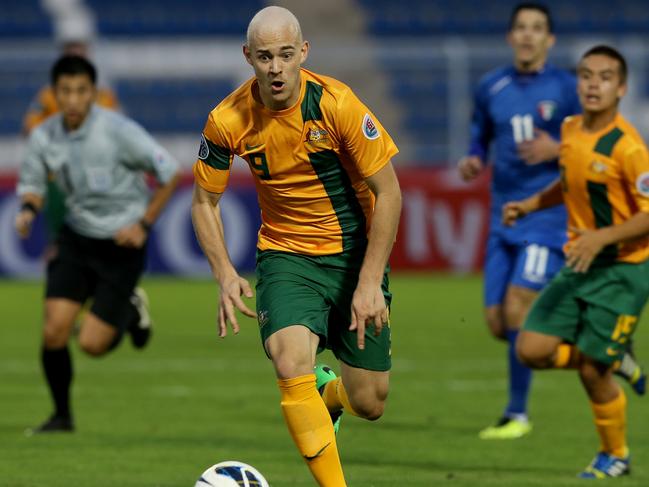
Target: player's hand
[(23, 223), (469, 167), (512, 211), (232, 288), (368, 306), (133, 236), (541, 148), (582, 251)]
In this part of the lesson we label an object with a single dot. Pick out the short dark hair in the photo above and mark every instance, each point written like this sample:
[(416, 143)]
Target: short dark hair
[(611, 52), (72, 65), (539, 7)]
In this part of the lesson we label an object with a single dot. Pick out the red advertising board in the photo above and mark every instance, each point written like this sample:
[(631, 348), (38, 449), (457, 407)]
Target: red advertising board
[(443, 227), (444, 221)]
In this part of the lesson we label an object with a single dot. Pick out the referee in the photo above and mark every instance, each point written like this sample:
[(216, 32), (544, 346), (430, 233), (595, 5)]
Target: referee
[(99, 159)]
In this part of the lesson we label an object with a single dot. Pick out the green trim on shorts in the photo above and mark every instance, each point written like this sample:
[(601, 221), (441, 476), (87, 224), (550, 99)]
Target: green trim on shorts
[(316, 292), (597, 311)]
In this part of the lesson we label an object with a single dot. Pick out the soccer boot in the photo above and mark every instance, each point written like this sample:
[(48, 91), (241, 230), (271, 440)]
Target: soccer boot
[(140, 331), (324, 374), (506, 429), (605, 465), (55, 424), (632, 372)]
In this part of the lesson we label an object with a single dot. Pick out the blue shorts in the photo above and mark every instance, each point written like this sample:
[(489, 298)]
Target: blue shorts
[(530, 265)]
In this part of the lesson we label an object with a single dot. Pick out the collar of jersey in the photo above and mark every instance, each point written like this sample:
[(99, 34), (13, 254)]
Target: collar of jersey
[(287, 111), (604, 130), (518, 74), (82, 131)]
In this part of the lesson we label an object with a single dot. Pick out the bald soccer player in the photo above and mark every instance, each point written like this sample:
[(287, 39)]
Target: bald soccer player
[(330, 205)]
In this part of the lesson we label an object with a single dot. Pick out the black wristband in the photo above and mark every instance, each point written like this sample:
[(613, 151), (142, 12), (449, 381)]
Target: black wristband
[(27, 206), (146, 226)]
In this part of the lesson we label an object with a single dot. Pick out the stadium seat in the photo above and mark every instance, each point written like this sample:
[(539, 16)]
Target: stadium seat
[(23, 18), (170, 17), (171, 105)]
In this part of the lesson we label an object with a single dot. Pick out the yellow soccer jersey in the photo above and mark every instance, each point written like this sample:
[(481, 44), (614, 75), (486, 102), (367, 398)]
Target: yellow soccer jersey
[(605, 179), (45, 105), (309, 163)]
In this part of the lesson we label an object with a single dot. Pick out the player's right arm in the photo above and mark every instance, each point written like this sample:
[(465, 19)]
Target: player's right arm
[(211, 173), (471, 166), (550, 196), (32, 184), (208, 226), (31, 204)]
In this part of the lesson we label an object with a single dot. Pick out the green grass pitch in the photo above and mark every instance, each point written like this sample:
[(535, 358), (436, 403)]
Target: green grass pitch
[(158, 418)]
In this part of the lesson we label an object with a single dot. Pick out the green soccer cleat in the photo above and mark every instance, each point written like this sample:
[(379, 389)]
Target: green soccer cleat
[(506, 429), (324, 374), (605, 465)]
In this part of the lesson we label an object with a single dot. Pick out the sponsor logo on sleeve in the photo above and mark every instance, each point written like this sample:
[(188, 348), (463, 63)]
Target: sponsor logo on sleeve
[(203, 150), (642, 184), (370, 130), (159, 161)]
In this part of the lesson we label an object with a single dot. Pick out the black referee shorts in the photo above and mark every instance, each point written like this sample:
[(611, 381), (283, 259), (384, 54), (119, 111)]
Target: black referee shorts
[(85, 268)]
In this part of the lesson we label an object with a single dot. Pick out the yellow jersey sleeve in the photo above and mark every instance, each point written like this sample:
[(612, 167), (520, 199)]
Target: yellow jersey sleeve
[(636, 172), (362, 136), (42, 106), (106, 98), (212, 168)]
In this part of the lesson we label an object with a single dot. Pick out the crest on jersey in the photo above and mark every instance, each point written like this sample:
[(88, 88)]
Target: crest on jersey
[(598, 167), (370, 130), (642, 184), (316, 135), (547, 109), (203, 150)]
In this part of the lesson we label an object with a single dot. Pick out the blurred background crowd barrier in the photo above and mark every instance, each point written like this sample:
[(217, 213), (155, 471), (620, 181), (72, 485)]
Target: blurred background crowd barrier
[(414, 62)]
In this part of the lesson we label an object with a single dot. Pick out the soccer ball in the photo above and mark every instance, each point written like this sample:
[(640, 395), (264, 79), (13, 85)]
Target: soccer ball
[(231, 474)]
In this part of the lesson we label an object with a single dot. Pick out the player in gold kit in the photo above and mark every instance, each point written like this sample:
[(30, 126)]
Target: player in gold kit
[(330, 205), (586, 316)]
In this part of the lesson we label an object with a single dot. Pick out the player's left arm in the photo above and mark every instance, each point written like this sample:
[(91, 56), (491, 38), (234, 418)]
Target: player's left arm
[(368, 302), (581, 254), (143, 153), (542, 148), (135, 235)]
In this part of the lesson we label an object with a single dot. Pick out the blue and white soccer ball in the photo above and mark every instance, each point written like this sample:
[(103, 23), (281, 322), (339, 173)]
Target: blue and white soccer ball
[(231, 474)]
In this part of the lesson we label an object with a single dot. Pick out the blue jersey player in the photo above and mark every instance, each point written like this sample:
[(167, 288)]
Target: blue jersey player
[(518, 114)]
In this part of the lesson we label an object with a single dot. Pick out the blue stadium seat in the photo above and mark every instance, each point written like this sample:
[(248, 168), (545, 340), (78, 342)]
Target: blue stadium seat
[(18, 86), (414, 18), (172, 17), (171, 105), (23, 18)]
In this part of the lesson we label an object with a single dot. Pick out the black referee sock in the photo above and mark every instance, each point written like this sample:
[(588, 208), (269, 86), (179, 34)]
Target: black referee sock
[(133, 319), (57, 365)]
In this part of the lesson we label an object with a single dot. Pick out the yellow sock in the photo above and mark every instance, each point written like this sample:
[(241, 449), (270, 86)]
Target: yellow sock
[(610, 420), (567, 357), (310, 427), (335, 397)]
